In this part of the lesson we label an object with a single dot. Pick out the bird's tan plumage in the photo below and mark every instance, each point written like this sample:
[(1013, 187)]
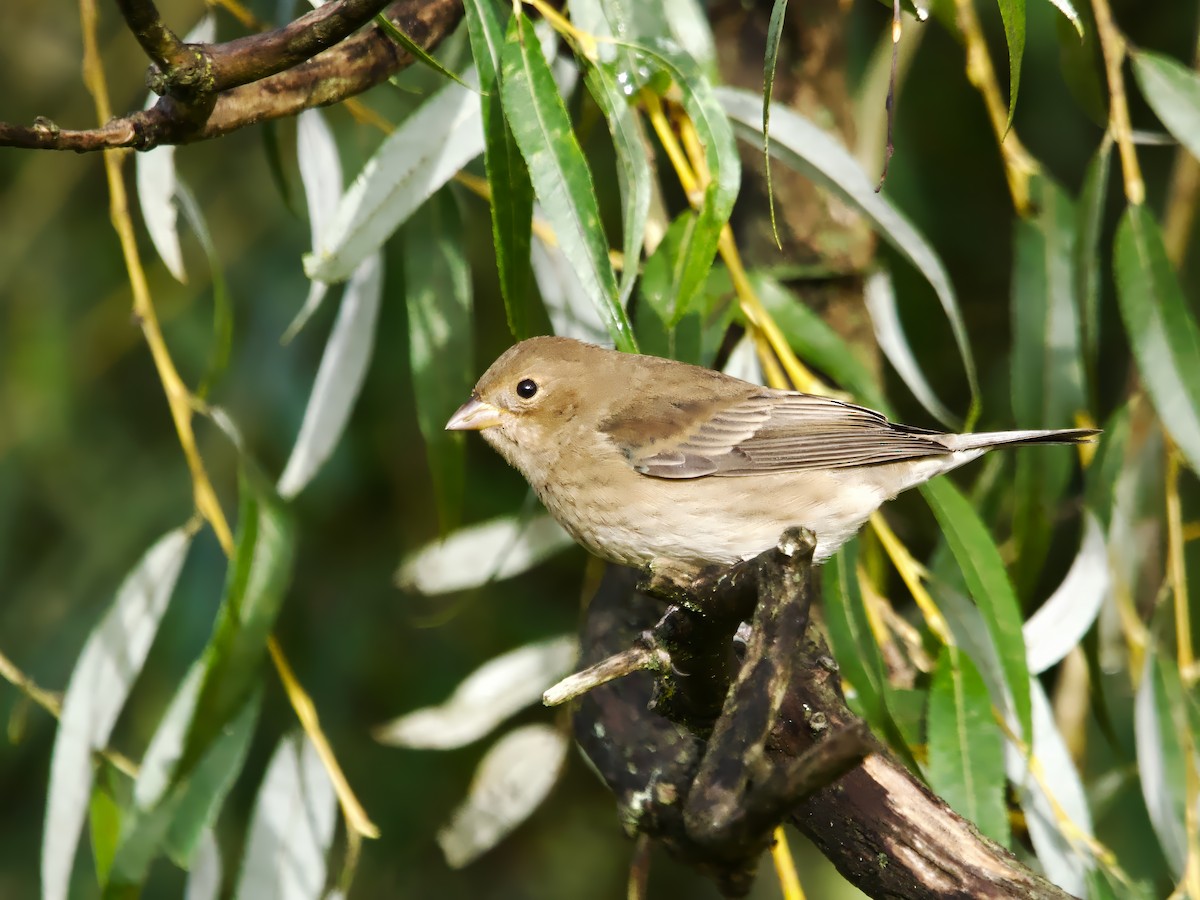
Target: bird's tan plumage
[(642, 458)]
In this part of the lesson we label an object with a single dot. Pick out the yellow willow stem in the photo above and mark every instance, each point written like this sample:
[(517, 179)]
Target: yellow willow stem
[(1112, 45), (912, 573), (785, 867), (1177, 572), (179, 399), (1019, 166), (306, 712), (585, 44), (240, 13), (693, 175)]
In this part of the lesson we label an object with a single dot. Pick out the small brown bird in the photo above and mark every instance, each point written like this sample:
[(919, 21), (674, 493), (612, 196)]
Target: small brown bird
[(642, 458)]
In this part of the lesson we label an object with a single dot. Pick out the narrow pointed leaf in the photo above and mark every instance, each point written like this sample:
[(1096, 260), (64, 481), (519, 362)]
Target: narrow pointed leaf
[(1173, 92), (292, 827), (339, 378), (103, 676), (510, 783), (1012, 12), (321, 174), (879, 295), (413, 162), (1067, 615), (1162, 330), (1088, 225), (512, 194), (559, 171), (966, 750), (988, 584), (476, 555), (1161, 764), (498, 689), (633, 167)]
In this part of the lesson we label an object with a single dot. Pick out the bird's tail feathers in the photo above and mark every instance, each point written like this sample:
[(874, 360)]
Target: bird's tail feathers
[(985, 439)]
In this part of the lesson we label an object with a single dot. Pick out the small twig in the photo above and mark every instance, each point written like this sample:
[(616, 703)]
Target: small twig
[(161, 44), (345, 70), (635, 659), (1112, 45)]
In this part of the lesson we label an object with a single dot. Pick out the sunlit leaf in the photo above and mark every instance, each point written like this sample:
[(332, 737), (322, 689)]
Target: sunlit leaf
[(156, 179), (173, 807), (801, 145), (510, 783), (1061, 622), (559, 171), (988, 584), (496, 690), (568, 304), (1161, 763), (292, 827), (1173, 92), (321, 175), (103, 676), (1162, 330), (437, 291), (339, 378), (478, 554), (879, 295), (416, 159), (1068, 10), (966, 751), (204, 874)]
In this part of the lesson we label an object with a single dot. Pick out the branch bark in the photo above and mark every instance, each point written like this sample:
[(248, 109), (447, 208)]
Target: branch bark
[(223, 101), (880, 826)]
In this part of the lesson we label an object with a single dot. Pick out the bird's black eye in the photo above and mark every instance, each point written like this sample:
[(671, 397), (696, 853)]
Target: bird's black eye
[(527, 388)]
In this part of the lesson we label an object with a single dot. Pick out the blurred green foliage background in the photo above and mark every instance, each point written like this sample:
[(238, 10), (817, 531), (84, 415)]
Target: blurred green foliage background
[(91, 472)]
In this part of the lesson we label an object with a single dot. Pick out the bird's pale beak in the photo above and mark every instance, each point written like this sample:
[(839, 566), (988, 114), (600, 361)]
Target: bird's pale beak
[(474, 415)]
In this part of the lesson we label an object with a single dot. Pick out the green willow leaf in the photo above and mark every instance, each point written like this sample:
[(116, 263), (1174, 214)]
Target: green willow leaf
[(559, 171), (511, 207), (437, 291), (983, 571), (415, 50), (1162, 330), (1012, 12), (633, 167), (1089, 222), (1173, 92), (1047, 371), (257, 581), (854, 646), (966, 749), (720, 157)]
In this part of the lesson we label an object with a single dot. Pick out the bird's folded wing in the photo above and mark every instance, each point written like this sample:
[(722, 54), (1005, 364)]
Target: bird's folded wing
[(774, 432)]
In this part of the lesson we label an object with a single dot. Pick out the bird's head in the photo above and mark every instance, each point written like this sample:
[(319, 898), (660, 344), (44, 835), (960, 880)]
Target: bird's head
[(528, 399)]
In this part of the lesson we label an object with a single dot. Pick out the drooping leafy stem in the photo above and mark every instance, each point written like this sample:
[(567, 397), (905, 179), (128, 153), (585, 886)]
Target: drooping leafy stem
[(183, 405)]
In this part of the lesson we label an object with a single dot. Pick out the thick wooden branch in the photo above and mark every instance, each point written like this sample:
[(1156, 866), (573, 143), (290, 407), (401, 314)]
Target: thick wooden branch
[(346, 69), (882, 828)]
